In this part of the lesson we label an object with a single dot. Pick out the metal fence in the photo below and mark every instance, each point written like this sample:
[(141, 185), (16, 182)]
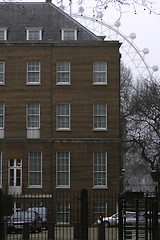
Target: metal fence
[(143, 219), (68, 215), (80, 216)]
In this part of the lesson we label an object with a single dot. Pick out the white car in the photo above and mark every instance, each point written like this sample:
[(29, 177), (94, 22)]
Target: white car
[(113, 220)]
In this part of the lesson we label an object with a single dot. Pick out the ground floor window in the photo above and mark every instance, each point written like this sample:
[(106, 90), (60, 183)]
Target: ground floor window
[(99, 209), (62, 213), (35, 169), (62, 169), (100, 169)]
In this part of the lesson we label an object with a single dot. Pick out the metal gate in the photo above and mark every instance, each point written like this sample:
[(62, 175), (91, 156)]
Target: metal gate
[(138, 216)]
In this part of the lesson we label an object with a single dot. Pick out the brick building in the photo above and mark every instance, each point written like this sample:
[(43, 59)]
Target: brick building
[(59, 103)]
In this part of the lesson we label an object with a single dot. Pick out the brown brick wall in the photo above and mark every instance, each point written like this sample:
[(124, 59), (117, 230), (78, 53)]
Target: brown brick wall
[(81, 94), (81, 163)]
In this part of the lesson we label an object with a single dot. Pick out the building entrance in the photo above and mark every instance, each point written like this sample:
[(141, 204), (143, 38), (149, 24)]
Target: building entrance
[(14, 176)]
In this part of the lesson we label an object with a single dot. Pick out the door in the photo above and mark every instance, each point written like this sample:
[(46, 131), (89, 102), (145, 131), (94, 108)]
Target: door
[(14, 176)]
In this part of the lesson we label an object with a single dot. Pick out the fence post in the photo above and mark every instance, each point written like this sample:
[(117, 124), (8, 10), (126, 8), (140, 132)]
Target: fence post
[(25, 231), (50, 227), (84, 214), (101, 231), (120, 209), (77, 231), (155, 219)]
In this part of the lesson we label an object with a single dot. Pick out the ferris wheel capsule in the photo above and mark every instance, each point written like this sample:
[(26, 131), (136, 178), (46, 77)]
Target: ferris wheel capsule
[(145, 51), (117, 24), (133, 36), (155, 68)]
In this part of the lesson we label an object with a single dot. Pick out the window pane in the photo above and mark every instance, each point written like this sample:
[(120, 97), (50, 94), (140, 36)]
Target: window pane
[(2, 35), (35, 179), (33, 115), (62, 213), (63, 168), (99, 72), (1, 115), (2, 71), (11, 180), (99, 208), (63, 116), (100, 116), (34, 34), (63, 72), (33, 72), (69, 34), (18, 177), (99, 162), (35, 168)]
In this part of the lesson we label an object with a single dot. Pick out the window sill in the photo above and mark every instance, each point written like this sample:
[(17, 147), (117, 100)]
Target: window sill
[(63, 84), (100, 187), (100, 130), (100, 84), (63, 130), (35, 187), (33, 84), (63, 187)]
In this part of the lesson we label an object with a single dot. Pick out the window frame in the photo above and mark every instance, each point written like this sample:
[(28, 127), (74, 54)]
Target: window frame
[(63, 213), (33, 29), (100, 72), (63, 171), (63, 116), (29, 171), (68, 30), (39, 73), (3, 116), (5, 34), (3, 73), (99, 116), (58, 82), (27, 115), (100, 172)]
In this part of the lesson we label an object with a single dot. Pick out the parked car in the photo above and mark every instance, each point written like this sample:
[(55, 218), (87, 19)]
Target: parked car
[(130, 219), (43, 212), (18, 219), (142, 218), (113, 220)]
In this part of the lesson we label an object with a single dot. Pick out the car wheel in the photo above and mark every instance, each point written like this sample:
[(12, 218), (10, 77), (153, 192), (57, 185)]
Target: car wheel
[(107, 224)]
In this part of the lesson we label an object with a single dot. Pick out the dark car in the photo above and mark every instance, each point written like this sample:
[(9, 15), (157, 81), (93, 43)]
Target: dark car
[(18, 219), (43, 213)]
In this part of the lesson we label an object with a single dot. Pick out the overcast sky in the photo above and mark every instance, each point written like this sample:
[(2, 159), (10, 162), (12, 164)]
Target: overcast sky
[(145, 25)]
